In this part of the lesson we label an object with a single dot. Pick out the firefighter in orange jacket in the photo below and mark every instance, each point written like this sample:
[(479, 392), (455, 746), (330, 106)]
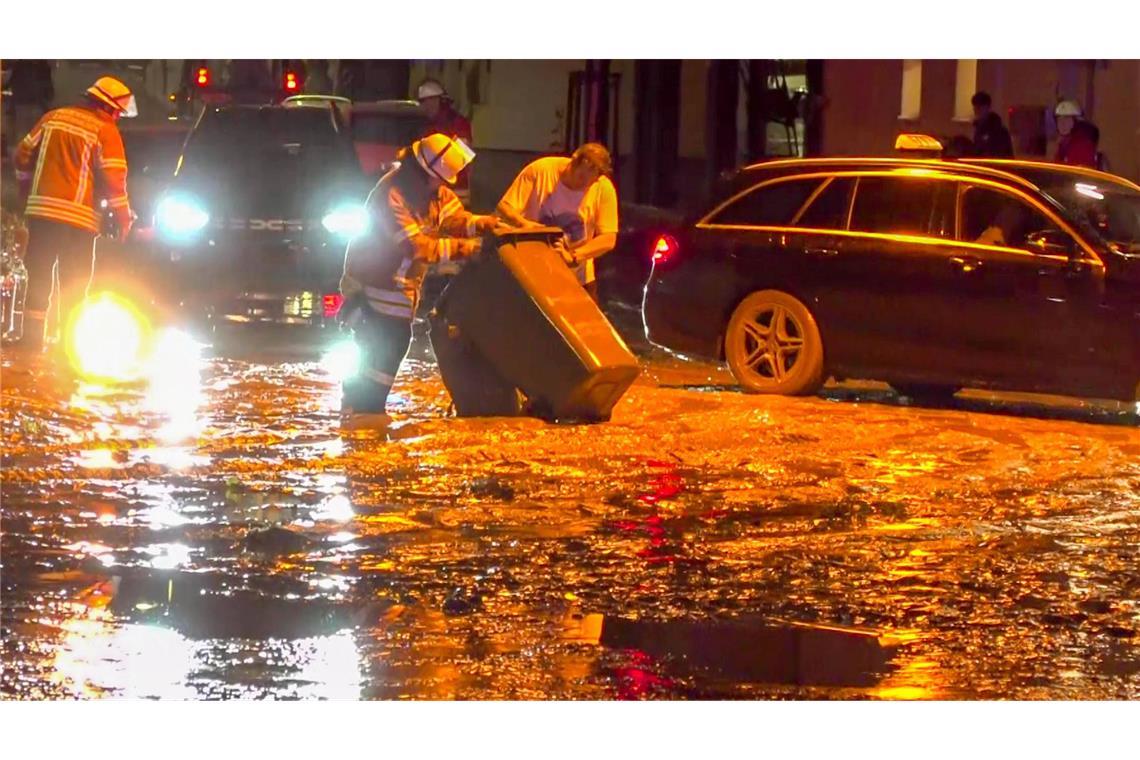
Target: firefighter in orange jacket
[(415, 220), (72, 159)]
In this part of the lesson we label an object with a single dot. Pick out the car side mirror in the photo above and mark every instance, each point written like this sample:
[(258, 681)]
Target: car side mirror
[(1050, 242)]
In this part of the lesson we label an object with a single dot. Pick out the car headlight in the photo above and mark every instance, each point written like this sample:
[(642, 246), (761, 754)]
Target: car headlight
[(347, 221), (179, 215)]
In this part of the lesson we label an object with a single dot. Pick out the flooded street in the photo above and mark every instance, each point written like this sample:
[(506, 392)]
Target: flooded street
[(213, 533)]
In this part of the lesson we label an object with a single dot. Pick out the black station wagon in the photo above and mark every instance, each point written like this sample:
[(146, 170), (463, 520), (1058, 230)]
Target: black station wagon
[(932, 275)]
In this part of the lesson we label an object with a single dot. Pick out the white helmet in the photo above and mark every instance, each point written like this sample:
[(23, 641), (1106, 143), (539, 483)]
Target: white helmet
[(430, 88), (1068, 108), (443, 156)]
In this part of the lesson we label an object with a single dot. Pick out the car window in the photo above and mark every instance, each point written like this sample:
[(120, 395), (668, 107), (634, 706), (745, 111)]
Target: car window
[(1111, 209), (828, 211), (902, 205), (942, 215), (387, 129), (773, 204), (993, 217)]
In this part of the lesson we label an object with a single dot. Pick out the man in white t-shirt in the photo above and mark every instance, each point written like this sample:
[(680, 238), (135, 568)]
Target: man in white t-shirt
[(574, 194)]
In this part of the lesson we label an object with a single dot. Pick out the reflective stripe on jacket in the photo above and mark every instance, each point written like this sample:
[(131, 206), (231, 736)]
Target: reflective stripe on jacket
[(389, 262), (73, 157)]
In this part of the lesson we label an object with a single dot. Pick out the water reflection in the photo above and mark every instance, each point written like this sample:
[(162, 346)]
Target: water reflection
[(99, 459), (168, 556), (98, 657), (335, 509), (174, 385), (118, 642), (328, 667), (751, 650), (914, 678)]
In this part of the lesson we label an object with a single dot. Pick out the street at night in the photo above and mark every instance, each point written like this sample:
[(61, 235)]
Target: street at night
[(595, 396), (213, 532)]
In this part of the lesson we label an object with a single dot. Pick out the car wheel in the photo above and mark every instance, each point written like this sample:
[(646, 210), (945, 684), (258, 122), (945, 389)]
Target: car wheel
[(772, 345), (926, 393)]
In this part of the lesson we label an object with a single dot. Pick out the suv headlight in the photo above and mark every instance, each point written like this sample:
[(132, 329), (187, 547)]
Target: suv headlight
[(179, 215), (348, 221)]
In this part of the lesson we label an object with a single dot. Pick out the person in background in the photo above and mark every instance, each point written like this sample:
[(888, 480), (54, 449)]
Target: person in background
[(445, 120), (1101, 159), (575, 194), (991, 138), (1078, 143), (317, 80)]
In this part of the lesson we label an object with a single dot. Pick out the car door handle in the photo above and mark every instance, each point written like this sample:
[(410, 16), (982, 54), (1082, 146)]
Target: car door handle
[(966, 264), (822, 251)]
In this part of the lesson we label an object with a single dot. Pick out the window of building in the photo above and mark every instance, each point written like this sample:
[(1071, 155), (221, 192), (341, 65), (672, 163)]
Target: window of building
[(911, 107), (965, 85)]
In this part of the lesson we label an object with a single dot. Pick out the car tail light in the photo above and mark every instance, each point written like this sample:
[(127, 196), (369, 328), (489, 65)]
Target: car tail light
[(664, 249), (290, 81), (203, 78), (332, 303)]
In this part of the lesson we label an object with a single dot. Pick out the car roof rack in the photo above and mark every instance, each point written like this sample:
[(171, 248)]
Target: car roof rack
[(315, 100)]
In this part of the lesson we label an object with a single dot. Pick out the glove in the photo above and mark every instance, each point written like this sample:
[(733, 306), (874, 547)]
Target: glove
[(125, 223), (353, 311), (484, 224), (469, 247)]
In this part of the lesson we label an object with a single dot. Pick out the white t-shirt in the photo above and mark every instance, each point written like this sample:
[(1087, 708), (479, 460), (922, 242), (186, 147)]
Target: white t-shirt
[(538, 195)]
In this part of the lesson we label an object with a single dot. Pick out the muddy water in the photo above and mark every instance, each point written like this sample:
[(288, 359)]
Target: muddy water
[(213, 533)]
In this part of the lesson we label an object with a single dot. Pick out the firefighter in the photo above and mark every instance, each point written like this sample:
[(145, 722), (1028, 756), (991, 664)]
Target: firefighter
[(416, 220), (1078, 143), (70, 160), (445, 120)]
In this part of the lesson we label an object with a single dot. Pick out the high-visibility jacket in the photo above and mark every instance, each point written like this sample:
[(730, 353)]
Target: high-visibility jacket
[(73, 158), (390, 261)]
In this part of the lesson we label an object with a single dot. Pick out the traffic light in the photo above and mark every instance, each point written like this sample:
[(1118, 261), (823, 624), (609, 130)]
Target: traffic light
[(292, 83), (203, 77)]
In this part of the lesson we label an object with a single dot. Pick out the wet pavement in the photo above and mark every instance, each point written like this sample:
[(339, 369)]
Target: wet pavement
[(213, 533)]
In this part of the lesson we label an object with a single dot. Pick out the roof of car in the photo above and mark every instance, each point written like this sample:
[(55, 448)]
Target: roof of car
[(389, 107), (1014, 165), (251, 107), (309, 98), (1009, 170), (796, 165)]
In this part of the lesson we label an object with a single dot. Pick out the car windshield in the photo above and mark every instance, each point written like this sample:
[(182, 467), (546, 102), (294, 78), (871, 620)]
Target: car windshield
[(387, 129), (243, 134), (1112, 209), (154, 153)]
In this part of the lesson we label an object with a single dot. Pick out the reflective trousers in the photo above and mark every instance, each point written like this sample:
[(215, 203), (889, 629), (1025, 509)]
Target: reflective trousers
[(383, 342), (55, 251)]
